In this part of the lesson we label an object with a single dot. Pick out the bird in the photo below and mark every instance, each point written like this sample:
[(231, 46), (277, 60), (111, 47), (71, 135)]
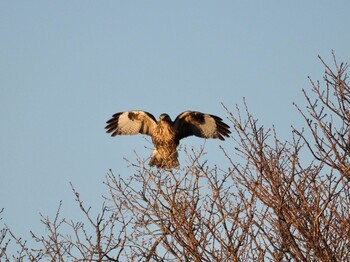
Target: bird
[(165, 133)]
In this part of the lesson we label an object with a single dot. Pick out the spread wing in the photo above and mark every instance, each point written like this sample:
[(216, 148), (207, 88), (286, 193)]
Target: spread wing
[(199, 124), (131, 123)]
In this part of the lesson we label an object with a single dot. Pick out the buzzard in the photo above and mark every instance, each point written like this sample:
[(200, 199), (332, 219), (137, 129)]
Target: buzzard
[(165, 133)]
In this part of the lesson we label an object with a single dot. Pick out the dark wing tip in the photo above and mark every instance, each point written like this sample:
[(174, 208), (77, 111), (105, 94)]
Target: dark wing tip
[(112, 124), (222, 128)]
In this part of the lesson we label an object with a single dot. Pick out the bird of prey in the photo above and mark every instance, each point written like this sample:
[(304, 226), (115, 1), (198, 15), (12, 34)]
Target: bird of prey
[(165, 133)]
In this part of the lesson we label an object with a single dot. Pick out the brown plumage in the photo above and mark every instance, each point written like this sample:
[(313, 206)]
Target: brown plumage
[(166, 134)]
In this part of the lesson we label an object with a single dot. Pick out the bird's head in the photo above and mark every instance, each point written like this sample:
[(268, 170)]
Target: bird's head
[(164, 117)]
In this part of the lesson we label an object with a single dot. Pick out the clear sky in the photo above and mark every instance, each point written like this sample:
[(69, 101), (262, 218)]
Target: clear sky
[(67, 66)]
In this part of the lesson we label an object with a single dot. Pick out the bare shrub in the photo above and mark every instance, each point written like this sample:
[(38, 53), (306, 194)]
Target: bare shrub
[(277, 200)]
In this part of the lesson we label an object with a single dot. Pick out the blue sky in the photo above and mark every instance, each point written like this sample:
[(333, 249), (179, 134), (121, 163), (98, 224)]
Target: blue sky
[(67, 66)]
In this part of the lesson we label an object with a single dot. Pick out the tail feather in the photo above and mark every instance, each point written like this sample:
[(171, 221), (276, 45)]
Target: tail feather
[(164, 162)]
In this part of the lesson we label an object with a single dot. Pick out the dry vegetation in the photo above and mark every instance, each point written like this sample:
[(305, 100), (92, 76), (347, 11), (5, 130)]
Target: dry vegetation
[(278, 201)]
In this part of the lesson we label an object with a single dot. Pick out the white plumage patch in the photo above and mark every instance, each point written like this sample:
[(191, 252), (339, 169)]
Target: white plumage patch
[(126, 126), (209, 128)]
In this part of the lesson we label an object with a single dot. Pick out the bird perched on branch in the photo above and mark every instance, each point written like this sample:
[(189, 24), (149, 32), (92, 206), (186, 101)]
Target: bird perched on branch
[(165, 133)]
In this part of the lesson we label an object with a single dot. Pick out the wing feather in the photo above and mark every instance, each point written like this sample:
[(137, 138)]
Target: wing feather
[(131, 123), (202, 125)]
